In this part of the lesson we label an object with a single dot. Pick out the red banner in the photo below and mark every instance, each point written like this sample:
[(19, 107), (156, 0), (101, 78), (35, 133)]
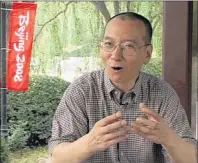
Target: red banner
[(21, 31)]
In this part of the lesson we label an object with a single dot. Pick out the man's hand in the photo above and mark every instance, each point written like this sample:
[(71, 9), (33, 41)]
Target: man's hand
[(108, 131), (154, 128)]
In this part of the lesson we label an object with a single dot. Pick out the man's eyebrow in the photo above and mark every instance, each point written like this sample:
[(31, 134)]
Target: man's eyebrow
[(131, 40), (108, 38)]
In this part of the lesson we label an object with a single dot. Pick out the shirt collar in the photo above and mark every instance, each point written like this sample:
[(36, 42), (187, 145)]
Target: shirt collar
[(109, 86), (137, 87)]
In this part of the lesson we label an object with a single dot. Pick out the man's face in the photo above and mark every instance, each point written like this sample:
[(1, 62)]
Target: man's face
[(132, 32)]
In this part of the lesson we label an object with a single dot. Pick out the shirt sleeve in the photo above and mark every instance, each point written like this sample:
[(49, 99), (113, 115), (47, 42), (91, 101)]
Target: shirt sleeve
[(70, 120), (176, 118)]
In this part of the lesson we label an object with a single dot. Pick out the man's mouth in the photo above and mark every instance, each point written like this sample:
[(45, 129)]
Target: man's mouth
[(117, 68)]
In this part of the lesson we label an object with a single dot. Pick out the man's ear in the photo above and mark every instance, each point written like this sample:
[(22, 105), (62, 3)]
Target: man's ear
[(148, 54)]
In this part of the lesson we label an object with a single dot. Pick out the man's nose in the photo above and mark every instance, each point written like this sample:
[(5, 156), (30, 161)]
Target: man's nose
[(116, 54)]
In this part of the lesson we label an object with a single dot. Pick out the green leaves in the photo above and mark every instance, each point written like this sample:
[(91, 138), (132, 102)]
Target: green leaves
[(19, 135), (154, 67), (80, 25), (30, 113), (4, 151)]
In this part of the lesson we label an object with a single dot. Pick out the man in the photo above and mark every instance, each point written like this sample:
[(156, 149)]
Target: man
[(120, 114)]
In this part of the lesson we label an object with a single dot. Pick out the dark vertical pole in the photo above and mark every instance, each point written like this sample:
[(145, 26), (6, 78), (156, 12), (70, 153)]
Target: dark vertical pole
[(177, 49), (194, 89), (4, 126)]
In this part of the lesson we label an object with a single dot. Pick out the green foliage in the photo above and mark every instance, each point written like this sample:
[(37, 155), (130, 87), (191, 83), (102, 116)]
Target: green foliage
[(30, 113), (81, 27), (154, 67), (18, 135), (4, 151)]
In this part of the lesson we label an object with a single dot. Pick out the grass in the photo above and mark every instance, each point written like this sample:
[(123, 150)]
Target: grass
[(29, 155)]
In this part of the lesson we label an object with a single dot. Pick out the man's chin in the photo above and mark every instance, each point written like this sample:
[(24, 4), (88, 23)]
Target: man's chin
[(113, 76), (116, 79)]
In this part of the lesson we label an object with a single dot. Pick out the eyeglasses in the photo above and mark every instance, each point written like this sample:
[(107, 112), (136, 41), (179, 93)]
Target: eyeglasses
[(127, 47)]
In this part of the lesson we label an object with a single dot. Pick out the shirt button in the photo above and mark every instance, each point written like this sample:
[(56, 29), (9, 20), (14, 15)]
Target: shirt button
[(122, 154)]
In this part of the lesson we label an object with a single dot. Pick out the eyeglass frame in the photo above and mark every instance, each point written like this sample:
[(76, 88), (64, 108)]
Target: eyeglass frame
[(120, 44)]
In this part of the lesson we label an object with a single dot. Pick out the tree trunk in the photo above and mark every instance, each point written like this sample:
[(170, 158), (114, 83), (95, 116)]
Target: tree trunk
[(103, 9), (116, 7), (128, 5)]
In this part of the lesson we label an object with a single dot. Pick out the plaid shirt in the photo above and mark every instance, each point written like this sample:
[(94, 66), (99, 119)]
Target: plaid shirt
[(92, 97)]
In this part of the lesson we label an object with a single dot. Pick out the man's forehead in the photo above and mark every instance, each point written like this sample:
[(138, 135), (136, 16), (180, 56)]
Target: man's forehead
[(132, 22), (131, 30)]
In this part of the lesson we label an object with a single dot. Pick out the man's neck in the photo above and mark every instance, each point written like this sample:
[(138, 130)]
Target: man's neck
[(127, 86)]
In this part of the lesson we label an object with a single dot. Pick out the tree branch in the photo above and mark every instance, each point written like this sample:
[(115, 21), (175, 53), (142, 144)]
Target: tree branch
[(50, 20), (155, 23), (100, 6), (155, 16)]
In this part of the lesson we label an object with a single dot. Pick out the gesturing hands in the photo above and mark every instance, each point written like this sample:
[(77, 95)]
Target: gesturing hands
[(112, 130), (108, 131), (154, 128)]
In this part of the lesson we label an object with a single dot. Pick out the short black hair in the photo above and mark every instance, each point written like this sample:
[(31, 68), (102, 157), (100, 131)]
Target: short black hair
[(135, 16)]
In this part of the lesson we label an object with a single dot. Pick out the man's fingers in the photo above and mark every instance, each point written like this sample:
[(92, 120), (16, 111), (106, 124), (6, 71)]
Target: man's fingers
[(147, 123), (141, 130), (114, 126), (119, 133), (145, 132), (109, 119), (150, 113)]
